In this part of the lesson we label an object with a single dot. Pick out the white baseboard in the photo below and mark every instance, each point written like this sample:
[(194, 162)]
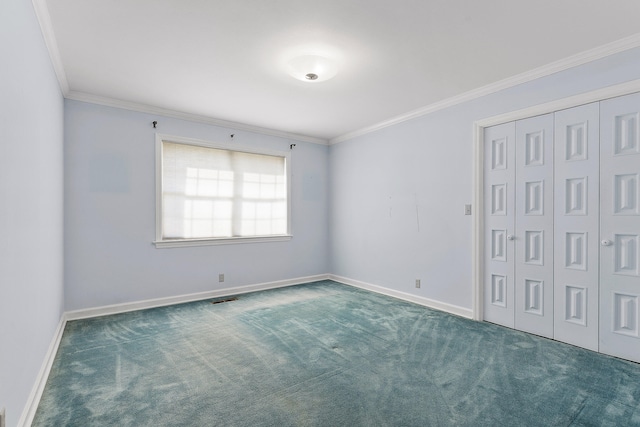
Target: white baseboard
[(161, 302), (31, 407), (442, 306)]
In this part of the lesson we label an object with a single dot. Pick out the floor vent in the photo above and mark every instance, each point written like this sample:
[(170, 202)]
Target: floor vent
[(219, 301)]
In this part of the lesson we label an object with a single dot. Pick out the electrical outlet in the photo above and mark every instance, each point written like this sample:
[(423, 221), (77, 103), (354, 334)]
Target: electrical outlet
[(417, 283), (221, 278), (467, 209)]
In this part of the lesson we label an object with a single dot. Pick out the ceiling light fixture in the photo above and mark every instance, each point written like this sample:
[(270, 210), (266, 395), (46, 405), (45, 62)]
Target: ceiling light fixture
[(312, 68)]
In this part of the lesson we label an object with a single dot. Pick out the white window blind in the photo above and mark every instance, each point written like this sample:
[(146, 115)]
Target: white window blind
[(214, 193)]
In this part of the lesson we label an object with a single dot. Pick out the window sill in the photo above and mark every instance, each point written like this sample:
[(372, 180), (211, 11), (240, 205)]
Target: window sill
[(183, 243)]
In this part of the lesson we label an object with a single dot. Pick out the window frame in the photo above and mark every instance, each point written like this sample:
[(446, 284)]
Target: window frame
[(159, 242)]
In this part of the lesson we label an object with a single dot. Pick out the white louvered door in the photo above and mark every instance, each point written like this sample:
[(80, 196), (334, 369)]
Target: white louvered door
[(620, 227)]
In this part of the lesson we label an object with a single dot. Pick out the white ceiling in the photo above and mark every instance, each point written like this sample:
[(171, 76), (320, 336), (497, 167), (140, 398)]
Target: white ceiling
[(225, 59)]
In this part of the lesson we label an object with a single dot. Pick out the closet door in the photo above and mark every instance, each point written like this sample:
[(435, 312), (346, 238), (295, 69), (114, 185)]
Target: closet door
[(534, 226), (576, 225), (499, 190), (620, 227)]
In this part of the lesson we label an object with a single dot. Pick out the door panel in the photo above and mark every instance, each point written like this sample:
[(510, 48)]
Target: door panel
[(562, 226), (534, 226), (576, 270), (499, 176), (620, 227)]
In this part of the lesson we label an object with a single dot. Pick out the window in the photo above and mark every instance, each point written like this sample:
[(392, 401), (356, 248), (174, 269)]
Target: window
[(211, 194)]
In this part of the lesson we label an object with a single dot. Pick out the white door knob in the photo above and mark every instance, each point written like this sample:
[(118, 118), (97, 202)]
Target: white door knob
[(511, 237), (606, 242)]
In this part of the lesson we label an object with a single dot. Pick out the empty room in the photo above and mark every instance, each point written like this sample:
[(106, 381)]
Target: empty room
[(337, 213)]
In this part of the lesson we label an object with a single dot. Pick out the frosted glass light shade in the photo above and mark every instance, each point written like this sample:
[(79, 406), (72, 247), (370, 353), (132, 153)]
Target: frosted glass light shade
[(306, 67)]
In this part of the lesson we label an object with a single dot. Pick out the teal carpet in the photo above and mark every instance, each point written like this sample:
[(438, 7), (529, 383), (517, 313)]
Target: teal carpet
[(325, 354)]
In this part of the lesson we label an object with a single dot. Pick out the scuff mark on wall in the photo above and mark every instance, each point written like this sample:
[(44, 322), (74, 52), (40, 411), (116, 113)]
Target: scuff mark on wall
[(417, 211)]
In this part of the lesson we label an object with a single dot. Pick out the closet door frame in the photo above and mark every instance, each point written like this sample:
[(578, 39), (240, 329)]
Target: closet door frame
[(478, 242)]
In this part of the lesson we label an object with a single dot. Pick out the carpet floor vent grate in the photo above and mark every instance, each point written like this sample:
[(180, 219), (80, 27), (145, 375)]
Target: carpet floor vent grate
[(220, 301)]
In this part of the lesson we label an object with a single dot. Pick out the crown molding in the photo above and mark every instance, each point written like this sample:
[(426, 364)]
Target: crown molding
[(149, 109), (44, 19), (554, 67)]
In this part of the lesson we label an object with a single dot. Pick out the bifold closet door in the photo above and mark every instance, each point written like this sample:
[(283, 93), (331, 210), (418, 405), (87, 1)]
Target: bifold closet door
[(562, 226), (576, 222), (499, 213), (533, 235), (620, 227)]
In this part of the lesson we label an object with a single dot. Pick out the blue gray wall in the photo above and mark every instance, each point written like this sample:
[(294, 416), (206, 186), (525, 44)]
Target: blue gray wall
[(398, 194), (31, 204), (110, 214)]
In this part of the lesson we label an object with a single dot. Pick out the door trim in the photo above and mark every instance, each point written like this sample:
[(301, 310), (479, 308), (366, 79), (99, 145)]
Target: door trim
[(478, 168)]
